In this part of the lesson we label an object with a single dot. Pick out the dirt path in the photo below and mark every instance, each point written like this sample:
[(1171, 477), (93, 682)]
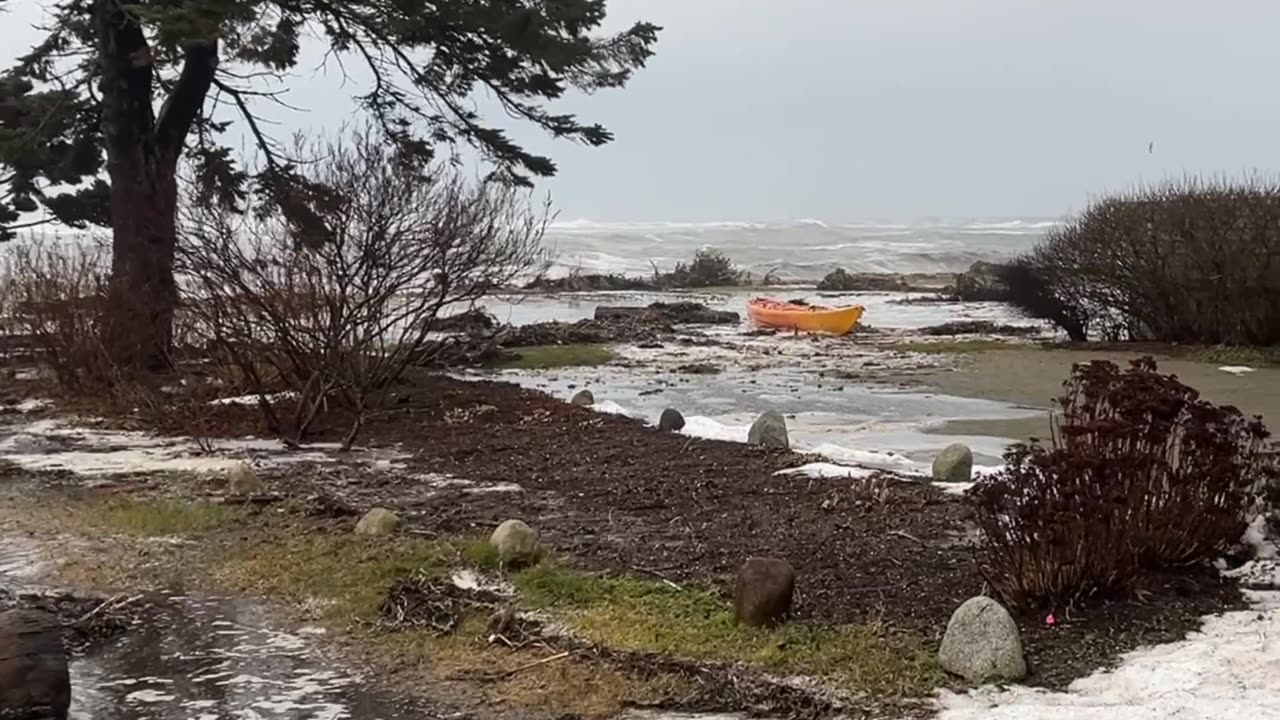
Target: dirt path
[(1032, 376)]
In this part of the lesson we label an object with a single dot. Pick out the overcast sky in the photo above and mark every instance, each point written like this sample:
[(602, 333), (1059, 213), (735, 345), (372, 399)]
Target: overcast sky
[(900, 109)]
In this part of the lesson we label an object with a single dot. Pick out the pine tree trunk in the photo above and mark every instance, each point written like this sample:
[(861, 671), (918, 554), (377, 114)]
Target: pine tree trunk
[(143, 294), (142, 158)]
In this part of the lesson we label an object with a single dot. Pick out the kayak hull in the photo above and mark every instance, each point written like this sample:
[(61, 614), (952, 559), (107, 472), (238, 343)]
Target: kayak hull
[(804, 318)]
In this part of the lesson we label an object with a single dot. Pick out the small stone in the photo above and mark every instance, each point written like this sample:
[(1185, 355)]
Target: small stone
[(982, 643), (770, 430), (33, 665), (516, 542), (671, 420), (954, 464), (242, 481), (378, 521), (584, 398), (762, 595)]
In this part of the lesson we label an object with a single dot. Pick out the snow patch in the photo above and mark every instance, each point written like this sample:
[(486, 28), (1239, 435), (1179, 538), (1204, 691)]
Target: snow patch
[(1237, 370), (829, 471), (467, 579), (1231, 668), (251, 399), (60, 444)]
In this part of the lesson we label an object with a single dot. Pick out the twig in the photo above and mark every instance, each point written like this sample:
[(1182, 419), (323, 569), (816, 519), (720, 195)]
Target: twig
[(536, 663), (113, 602), (658, 575), (909, 536)]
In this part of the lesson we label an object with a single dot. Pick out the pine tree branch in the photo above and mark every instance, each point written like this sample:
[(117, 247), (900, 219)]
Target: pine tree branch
[(182, 107)]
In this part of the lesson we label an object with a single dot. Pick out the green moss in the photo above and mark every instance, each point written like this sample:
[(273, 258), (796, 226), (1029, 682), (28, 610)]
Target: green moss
[(153, 517), (696, 623), (956, 346), (554, 356)]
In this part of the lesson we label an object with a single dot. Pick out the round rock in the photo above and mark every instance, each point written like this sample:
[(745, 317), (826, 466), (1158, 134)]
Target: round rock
[(770, 430), (982, 643), (954, 464), (671, 420), (243, 481), (584, 398), (763, 593), (516, 543), (33, 665), (378, 521)]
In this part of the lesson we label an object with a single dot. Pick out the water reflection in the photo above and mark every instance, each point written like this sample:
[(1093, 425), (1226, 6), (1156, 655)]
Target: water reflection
[(215, 658)]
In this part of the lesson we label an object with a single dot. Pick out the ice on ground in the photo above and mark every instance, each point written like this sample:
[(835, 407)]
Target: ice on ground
[(1230, 669), (1237, 370), (32, 405), (61, 444), (825, 471)]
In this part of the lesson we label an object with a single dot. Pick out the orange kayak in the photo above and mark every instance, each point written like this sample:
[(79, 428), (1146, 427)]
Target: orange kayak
[(808, 318)]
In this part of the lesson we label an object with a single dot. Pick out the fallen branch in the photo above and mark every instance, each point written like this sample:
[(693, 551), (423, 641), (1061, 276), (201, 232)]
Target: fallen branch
[(111, 602)]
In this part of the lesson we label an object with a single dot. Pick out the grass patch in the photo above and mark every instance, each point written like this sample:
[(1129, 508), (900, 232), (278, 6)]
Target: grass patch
[(697, 624), (957, 346), (1229, 355), (156, 517), (346, 575), (545, 357), (479, 553)]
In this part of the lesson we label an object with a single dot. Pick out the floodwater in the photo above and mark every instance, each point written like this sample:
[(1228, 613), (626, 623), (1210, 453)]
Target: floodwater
[(208, 658), (838, 395)]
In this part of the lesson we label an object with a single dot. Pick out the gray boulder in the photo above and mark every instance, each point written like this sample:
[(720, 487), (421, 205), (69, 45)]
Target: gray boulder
[(982, 643), (516, 543), (378, 521), (584, 398), (954, 464), (671, 420), (243, 481), (34, 681), (763, 593), (770, 430)]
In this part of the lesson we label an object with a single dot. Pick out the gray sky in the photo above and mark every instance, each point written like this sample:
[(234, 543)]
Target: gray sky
[(902, 109)]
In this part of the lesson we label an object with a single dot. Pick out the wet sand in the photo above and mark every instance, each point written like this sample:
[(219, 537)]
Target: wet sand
[(1032, 377)]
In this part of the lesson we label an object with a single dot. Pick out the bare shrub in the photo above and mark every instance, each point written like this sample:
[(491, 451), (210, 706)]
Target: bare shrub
[(1189, 262), (333, 310), (55, 297), (1139, 475)]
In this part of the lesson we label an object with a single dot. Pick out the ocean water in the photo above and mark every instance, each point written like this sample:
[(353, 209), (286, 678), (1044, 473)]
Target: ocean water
[(802, 250)]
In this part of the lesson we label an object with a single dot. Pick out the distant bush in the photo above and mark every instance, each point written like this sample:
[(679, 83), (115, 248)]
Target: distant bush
[(1139, 475), (710, 268), (55, 294), (1192, 262)]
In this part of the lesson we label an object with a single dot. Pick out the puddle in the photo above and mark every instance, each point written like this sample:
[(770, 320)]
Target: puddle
[(208, 658)]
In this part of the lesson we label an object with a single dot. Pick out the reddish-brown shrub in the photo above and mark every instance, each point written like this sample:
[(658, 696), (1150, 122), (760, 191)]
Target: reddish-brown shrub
[(1140, 474)]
